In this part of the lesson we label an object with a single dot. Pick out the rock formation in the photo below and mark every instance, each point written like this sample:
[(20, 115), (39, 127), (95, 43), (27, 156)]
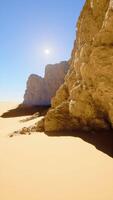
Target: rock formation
[(40, 90), (85, 100)]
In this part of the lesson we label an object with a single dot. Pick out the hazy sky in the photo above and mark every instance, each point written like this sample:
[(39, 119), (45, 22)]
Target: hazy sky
[(27, 28)]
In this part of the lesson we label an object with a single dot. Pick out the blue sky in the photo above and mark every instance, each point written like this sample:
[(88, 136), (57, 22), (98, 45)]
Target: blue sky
[(27, 27)]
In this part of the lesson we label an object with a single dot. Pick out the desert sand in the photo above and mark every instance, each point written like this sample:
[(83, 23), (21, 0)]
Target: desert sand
[(38, 167)]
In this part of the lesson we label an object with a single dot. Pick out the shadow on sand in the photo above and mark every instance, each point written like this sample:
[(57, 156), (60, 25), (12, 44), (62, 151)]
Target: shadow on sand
[(102, 140), (25, 111)]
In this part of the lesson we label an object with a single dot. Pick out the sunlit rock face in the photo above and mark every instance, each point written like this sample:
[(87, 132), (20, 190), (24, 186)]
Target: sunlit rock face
[(85, 100), (40, 90)]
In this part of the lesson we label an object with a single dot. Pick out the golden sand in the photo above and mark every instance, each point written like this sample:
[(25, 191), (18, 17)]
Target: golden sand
[(38, 167)]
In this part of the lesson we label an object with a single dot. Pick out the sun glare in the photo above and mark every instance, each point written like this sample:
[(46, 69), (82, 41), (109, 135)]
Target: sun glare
[(47, 51)]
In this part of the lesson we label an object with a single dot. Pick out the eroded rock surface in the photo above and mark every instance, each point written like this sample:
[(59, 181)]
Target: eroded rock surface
[(40, 90), (85, 100)]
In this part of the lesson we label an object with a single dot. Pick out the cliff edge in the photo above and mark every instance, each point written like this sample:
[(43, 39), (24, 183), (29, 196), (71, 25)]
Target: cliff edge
[(85, 100), (40, 90)]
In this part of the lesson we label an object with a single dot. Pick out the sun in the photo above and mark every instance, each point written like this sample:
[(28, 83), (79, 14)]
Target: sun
[(47, 51)]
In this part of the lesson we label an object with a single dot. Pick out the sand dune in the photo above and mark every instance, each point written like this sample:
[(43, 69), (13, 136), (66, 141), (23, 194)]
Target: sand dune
[(38, 167)]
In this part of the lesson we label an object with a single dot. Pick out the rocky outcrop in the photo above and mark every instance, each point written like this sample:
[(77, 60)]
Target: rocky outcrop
[(85, 100), (40, 90)]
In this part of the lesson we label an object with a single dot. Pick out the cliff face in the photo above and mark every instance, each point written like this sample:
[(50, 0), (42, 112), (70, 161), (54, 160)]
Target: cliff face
[(85, 100), (40, 90)]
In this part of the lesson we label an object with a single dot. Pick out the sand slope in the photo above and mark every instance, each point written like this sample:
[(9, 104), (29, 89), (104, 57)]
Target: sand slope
[(38, 167)]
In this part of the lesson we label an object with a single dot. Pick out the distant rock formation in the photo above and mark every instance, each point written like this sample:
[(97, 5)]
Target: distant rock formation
[(85, 100), (40, 90)]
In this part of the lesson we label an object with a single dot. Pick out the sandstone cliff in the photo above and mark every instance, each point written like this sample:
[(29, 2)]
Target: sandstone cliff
[(40, 90), (85, 100)]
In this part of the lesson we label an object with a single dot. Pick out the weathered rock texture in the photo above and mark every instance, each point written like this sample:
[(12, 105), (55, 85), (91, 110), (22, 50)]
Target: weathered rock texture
[(85, 100), (40, 90)]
